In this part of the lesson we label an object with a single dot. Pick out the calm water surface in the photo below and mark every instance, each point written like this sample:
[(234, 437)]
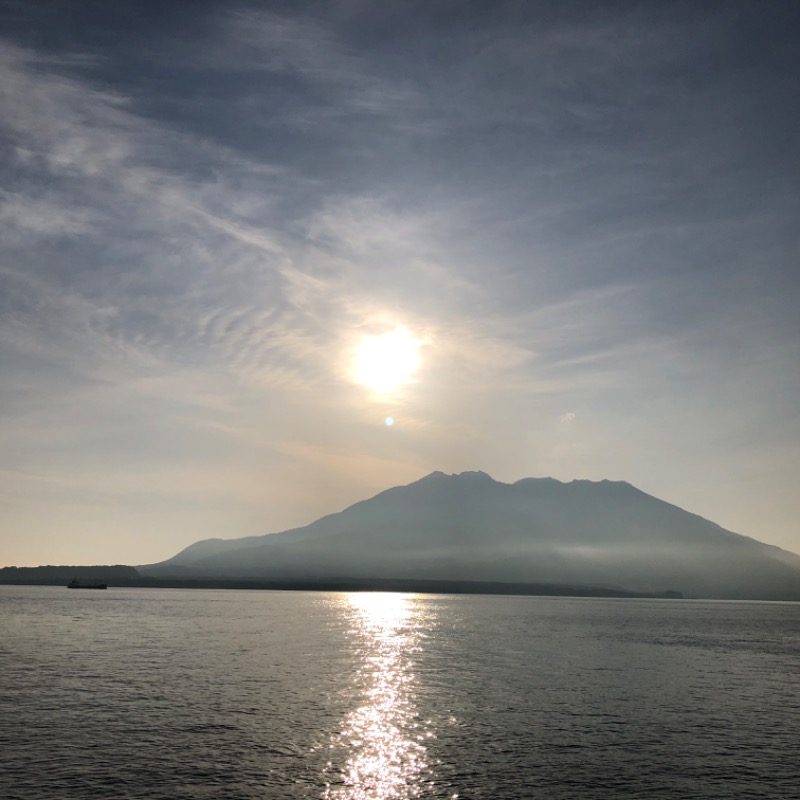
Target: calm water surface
[(200, 694)]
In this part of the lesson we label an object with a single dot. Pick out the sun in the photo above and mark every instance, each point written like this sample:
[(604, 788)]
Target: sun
[(386, 362)]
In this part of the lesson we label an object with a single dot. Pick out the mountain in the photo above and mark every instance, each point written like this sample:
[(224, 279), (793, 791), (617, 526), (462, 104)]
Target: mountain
[(470, 527)]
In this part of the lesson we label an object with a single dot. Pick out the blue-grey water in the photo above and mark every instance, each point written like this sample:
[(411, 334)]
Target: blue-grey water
[(136, 693)]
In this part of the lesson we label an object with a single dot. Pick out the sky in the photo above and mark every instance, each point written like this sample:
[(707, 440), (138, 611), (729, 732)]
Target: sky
[(259, 261)]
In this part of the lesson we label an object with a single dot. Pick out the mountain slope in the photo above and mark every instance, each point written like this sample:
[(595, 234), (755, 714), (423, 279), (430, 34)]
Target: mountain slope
[(471, 527)]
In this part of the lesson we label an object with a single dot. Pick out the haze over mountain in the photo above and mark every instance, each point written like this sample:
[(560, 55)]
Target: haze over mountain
[(471, 527)]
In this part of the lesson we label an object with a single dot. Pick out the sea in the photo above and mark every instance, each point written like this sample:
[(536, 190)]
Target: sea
[(200, 694)]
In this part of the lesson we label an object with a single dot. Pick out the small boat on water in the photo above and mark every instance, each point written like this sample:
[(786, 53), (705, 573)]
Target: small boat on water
[(76, 584)]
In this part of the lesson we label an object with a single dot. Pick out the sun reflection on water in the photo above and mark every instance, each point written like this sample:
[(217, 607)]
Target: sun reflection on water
[(383, 739)]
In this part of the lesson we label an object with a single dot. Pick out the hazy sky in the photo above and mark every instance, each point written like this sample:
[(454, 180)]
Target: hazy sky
[(576, 223)]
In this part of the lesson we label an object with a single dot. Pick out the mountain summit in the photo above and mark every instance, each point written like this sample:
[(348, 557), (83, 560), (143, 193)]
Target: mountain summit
[(470, 527)]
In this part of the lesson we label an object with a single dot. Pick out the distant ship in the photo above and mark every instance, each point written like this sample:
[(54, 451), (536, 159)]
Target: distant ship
[(76, 584)]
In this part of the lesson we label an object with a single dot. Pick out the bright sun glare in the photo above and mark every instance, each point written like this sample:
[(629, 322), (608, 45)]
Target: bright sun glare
[(387, 361)]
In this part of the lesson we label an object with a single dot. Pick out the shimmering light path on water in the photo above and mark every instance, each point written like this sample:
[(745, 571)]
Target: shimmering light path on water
[(384, 738), (192, 695)]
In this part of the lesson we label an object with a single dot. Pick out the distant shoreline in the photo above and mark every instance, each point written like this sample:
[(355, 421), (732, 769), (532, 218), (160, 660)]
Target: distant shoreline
[(58, 577), (123, 577)]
